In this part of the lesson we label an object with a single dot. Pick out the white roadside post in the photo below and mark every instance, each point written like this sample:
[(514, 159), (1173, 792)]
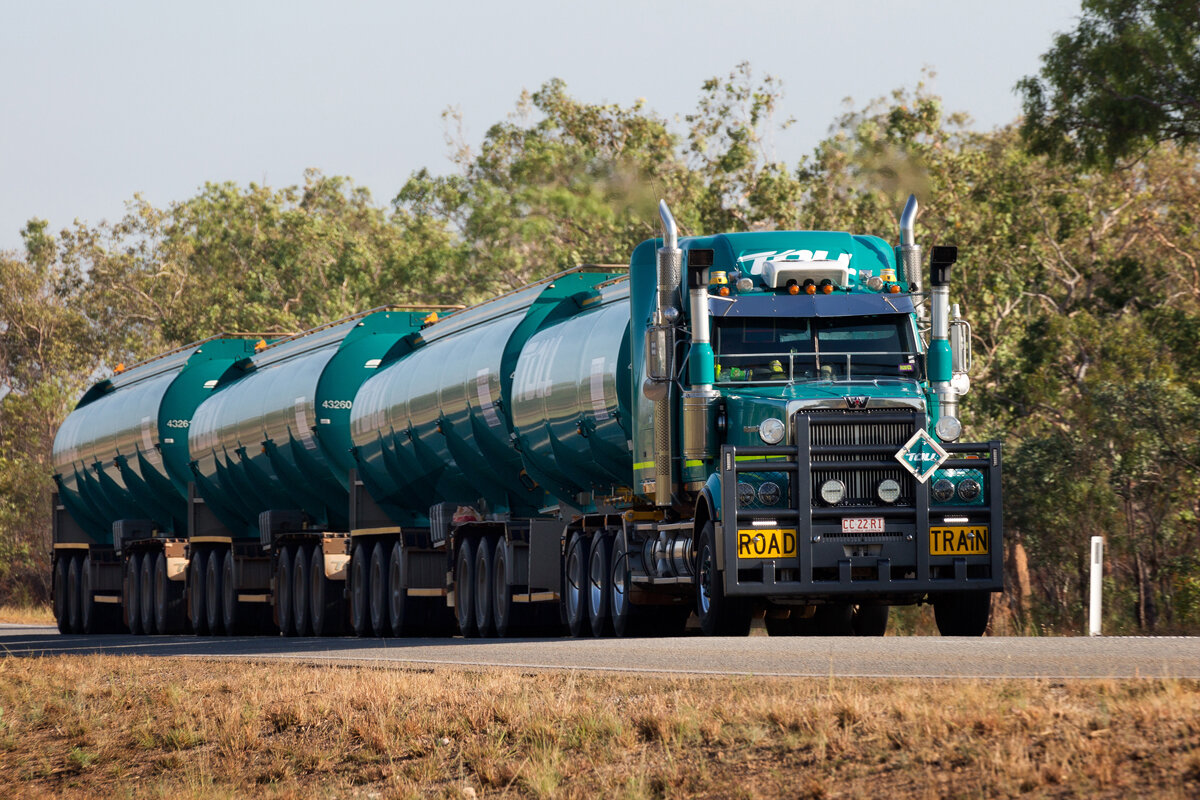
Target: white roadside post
[(1097, 583)]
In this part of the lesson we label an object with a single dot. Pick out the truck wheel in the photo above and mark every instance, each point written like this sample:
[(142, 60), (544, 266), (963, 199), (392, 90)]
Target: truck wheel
[(464, 589), (400, 610), (719, 615), (485, 621), (360, 597), (73, 592), (380, 623), (325, 597), (231, 618), (60, 594), (503, 610), (870, 619), (89, 618), (213, 593), (962, 613), (626, 617), (168, 599), (285, 609), (599, 589), (133, 590), (146, 595), (197, 607), (301, 602), (575, 585), (834, 619)]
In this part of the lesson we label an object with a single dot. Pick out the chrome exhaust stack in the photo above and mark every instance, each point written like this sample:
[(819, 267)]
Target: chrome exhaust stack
[(660, 350), (908, 254)]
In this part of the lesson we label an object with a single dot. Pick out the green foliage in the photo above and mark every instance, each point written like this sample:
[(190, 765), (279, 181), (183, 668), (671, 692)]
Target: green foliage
[(1082, 285), (1127, 78)]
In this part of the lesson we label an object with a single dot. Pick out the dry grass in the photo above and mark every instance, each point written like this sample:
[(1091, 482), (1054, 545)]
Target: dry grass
[(26, 615), (140, 727)]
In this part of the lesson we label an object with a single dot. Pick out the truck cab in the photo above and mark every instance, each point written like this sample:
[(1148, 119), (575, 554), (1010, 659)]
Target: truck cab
[(814, 433)]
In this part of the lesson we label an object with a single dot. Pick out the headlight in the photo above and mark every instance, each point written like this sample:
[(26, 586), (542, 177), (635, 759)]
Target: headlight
[(888, 491), (771, 430), (745, 494), (833, 491), (942, 490), (768, 493), (948, 429), (968, 490)]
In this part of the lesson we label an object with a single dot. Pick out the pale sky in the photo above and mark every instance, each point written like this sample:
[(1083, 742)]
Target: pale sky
[(102, 100)]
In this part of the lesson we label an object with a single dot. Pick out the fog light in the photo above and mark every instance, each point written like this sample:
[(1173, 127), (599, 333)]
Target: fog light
[(889, 490), (942, 490), (833, 491), (744, 284), (768, 493), (968, 490), (745, 494)]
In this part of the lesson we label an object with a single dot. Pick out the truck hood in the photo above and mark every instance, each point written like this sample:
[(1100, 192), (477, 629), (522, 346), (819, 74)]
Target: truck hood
[(879, 393)]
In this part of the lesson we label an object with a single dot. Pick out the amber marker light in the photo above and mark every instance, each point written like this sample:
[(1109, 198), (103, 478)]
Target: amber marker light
[(119, 369), (793, 288), (894, 288), (810, 288), (723, 291)]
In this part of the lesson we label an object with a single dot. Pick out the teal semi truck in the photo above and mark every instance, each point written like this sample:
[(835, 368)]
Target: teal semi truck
[(750, 425)]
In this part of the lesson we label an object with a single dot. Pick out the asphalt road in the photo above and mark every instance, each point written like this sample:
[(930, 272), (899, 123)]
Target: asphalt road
[(894, 657)]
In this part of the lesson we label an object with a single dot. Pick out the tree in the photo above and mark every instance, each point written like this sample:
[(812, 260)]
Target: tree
[(1127, 78)]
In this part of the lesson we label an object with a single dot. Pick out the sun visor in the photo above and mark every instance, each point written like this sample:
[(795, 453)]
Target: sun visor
[(804, 305)]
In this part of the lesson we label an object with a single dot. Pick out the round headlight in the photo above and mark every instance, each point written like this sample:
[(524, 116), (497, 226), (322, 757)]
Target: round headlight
[(745, 284), (770, 430), (942, 490), (833, 491), (768, 493), (968, 490), (745, 494), (875, 283), (889, 490), (948, 429)]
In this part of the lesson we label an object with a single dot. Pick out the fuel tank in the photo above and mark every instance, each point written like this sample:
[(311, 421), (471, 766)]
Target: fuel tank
[(122, 453), (511, 406), (274, 435)]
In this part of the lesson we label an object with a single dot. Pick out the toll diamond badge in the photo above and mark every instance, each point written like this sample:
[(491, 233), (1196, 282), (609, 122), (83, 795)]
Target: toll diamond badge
[(922, 455)]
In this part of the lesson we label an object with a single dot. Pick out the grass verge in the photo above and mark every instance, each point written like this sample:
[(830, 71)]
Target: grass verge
[(26, 615), (112, 726)]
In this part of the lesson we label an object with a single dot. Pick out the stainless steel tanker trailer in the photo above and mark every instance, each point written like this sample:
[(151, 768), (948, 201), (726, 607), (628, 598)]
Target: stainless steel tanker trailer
[(750, 425)]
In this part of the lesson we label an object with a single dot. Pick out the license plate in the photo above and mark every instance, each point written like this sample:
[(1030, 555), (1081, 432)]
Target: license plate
[(862, 524), (961, 540), (767, 543)]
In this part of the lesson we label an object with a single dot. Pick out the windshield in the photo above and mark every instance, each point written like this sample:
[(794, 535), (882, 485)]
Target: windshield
[(763, 349)]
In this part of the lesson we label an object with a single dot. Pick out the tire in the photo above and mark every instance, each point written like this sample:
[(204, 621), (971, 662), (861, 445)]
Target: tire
[(870, 619), (301, 602), (197, 606), (360, 591), (60, 594), (89, 617), (232, 620), (599, 588), (485, 619), (325, 598), (834, 619), (719, 615), (380, 623), (504, 611), (213, 593), (133, 593), (285, 607), (464, 589), (963, 613), (73, 596), (146, 595), (575, 580), (168, 600), (400, 610), (627, 619)]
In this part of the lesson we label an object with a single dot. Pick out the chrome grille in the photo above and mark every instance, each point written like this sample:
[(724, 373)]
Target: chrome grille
[(856, 428)]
